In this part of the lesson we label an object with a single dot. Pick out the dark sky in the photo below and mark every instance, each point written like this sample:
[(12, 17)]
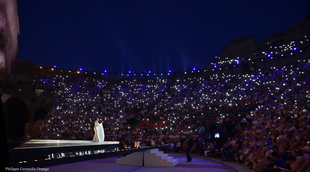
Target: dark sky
[(144, 35)]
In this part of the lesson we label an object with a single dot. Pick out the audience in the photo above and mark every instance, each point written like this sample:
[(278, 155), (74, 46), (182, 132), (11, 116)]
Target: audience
[(262, 117)]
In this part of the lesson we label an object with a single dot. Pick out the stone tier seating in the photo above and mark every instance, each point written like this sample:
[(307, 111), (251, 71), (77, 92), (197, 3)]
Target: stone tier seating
[(151, 158)]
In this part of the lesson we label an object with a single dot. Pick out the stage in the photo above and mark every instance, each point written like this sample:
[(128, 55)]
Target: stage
[(47, 143), (47, 152), (46, 149)]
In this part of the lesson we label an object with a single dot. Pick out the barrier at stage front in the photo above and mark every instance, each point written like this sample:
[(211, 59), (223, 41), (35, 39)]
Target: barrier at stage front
[(149, 158)]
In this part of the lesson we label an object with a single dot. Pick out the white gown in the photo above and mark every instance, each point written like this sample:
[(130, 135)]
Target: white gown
[(99, 132)]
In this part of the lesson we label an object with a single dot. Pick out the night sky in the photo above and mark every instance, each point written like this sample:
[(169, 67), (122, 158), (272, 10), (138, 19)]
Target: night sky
[(144, 35)]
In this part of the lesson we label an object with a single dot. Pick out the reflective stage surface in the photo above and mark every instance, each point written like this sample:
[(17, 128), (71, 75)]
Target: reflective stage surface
[(47, 149), (44, 152), (47, 143)]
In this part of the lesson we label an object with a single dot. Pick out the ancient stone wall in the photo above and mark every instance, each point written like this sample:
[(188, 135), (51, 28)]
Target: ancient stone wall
[(21, 109), (9, 30), (246, 46)]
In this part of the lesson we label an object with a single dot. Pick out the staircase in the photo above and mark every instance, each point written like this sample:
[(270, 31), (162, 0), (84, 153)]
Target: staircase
[(149, 158), (134, 159), (156, 158)]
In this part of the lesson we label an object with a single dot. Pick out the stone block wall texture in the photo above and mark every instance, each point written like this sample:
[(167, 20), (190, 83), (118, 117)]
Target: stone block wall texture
[(9, 31), (247, 45)]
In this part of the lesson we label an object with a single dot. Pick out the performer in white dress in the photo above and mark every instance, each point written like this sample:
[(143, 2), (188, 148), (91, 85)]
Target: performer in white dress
[(99, 132)]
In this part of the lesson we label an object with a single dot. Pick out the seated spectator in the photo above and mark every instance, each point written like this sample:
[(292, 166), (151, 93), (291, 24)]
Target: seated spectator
[(276, 162), (225, 153), (293, 164), (264, 158)]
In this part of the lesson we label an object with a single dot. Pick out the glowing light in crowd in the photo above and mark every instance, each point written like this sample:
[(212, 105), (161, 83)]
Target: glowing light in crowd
[(190, 99)]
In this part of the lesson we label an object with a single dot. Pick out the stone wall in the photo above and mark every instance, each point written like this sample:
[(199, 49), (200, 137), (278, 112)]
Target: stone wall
[(21, 109), (240, 46), (246, 46), (9, 31)]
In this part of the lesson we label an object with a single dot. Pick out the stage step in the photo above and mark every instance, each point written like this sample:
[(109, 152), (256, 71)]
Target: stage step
[(151, 158), (135, 159), (156, 158)]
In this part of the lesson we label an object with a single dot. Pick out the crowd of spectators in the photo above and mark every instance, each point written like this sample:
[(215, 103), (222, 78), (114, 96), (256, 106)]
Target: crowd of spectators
[(261, 118), (269, 111), (269, 51), (79, 101)]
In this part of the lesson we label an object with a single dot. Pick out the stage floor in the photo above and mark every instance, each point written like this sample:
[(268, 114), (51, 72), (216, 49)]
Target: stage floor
[(49, 143), (198, 163), (47, 152)]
